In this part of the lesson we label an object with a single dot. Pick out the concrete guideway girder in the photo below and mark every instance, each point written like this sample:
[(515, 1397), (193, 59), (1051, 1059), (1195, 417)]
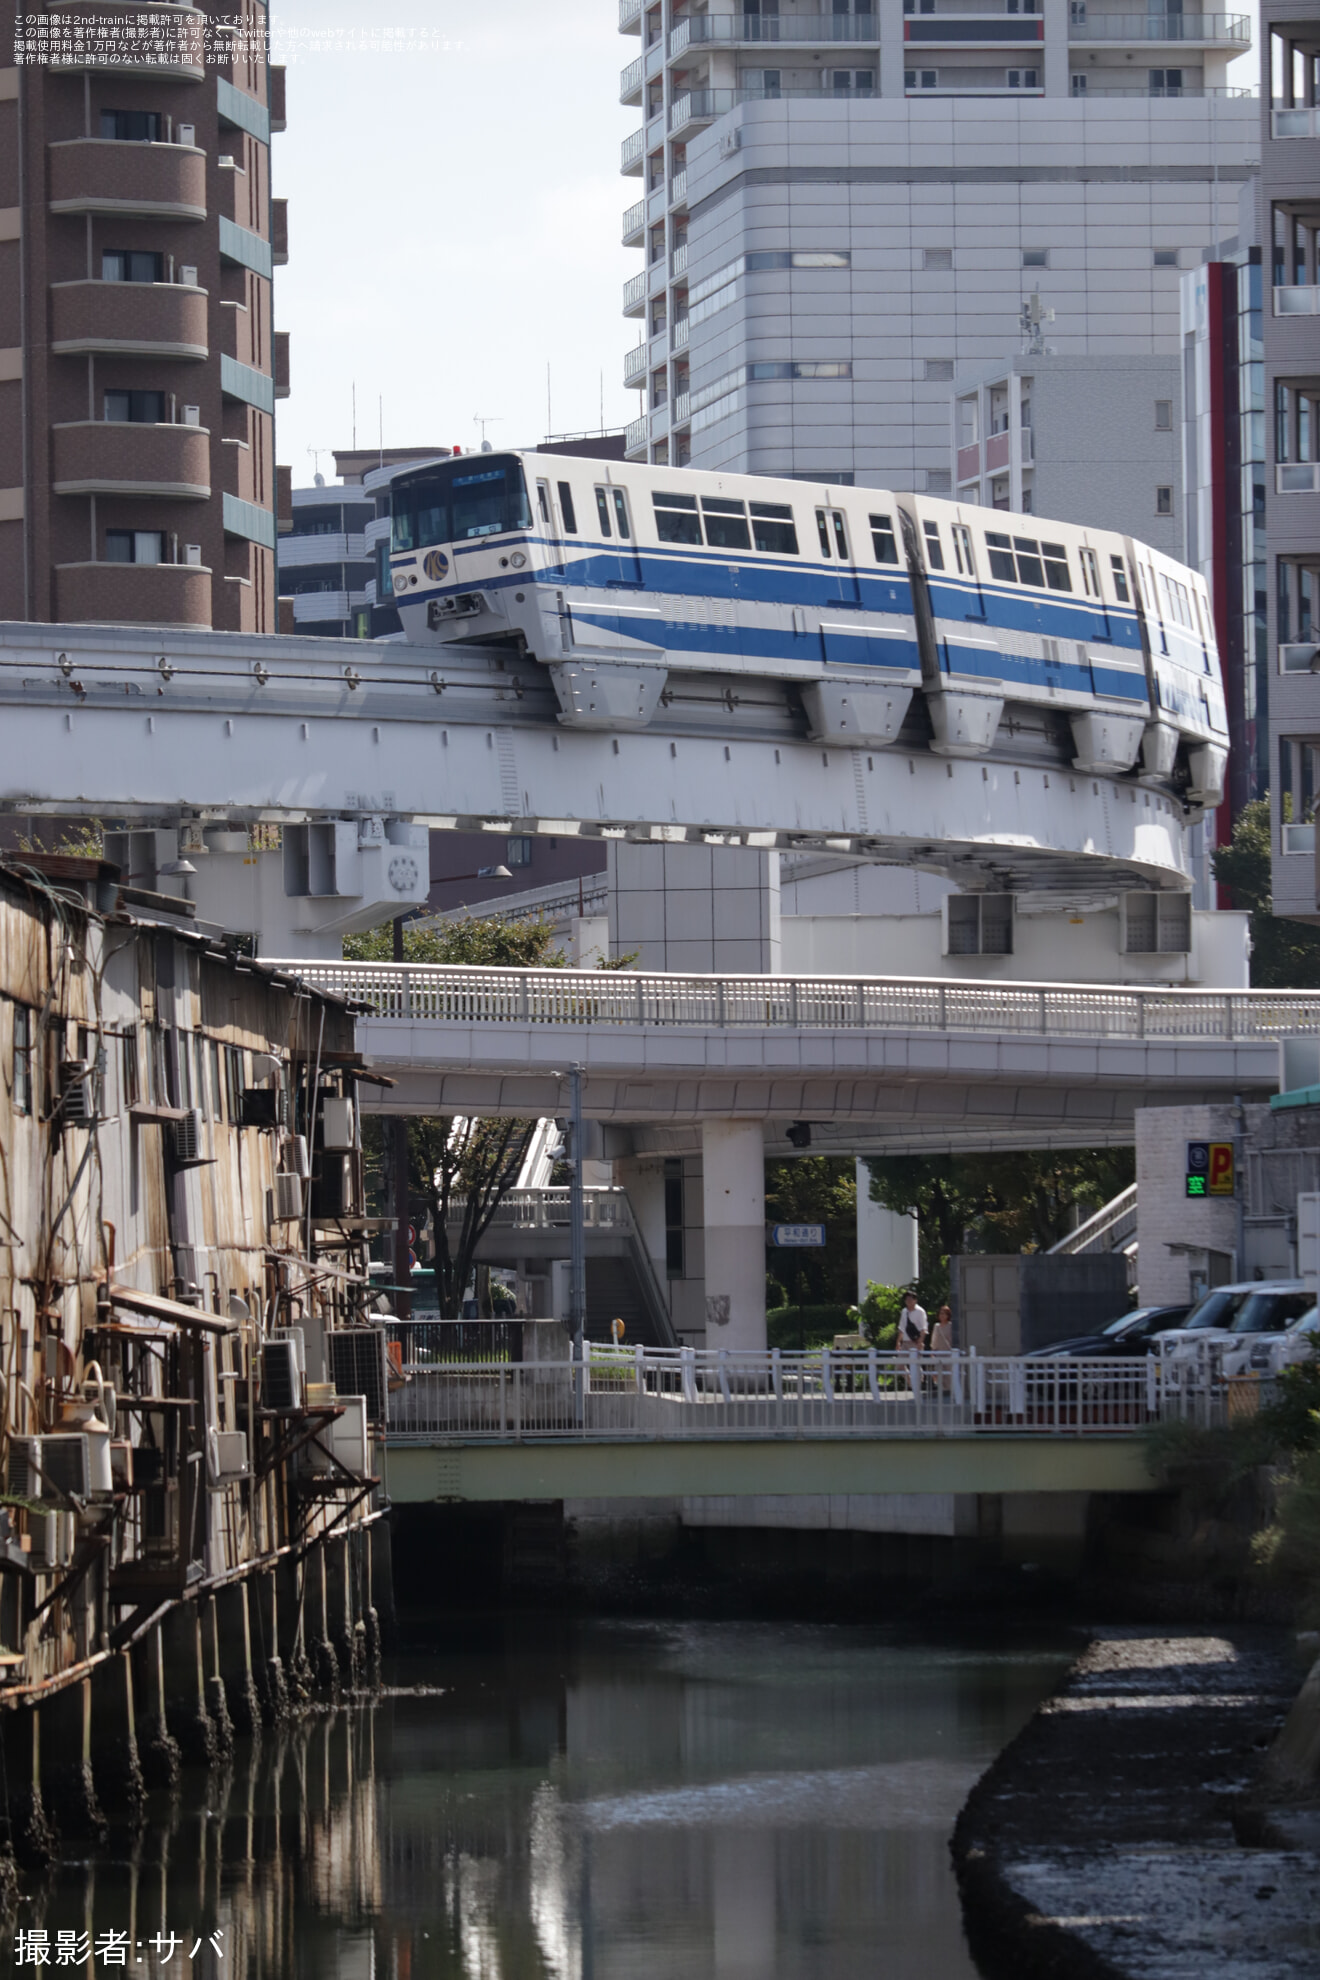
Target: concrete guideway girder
[(160, 727)]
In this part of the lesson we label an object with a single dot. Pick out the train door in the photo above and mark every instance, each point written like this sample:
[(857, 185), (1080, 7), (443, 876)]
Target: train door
[(619, 558), (549, 528), (842, 586)]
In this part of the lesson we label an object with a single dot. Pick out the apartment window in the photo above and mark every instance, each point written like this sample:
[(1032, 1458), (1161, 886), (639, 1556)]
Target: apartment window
[(234, 1084), (518, 851), (760, 263), (937, 258), (765, 369), (883, 541), (962, 549), (1119, 572), (1078, 84), (979, 925), (1166, 257), (852, 82), (1164, 415), (773, 528), (217, 1107), (22, 1083), (676, 518), (726, 524), (566, 509), (934, 548), (1035, 257), (1024, 78), (921, 78), (138, 408), (938, 368), (1297, 609), (132, 126), (1166, 82), (132, 265), (1164, 501), (135, 546), (1157, 924)]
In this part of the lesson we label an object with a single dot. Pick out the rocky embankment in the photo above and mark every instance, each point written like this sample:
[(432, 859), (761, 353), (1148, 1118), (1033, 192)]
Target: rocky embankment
[(1138, 1827)]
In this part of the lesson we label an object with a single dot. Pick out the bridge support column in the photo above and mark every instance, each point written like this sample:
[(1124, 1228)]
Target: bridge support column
[(733, 1205)]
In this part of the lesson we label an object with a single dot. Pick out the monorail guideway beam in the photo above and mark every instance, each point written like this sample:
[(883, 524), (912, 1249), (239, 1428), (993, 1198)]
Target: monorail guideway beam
[(201, 730)]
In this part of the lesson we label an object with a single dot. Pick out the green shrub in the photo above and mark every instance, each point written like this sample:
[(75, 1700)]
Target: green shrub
[(877, 1316)]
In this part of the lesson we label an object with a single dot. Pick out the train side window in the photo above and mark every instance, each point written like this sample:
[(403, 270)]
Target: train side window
[(566, 509), (603, 511), (1121, 591), (823, 532), (773, 528), (962, 549), (1001, 556), (621, 513), (726, 524), (840, 536), (1030, 570), (934, 548), (1056, 566), (676, 519), (1090, 572), (883, 541), (543, 501)]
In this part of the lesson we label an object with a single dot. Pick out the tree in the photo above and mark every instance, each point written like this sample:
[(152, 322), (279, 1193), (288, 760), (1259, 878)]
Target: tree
[(1285, 955), (815, 1189), (1020, 1201), (498, 944)]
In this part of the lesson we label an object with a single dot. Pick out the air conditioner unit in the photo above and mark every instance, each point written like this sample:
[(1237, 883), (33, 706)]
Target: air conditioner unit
[(337, 1124), (359, 1366), (187, 1137), (293, 1153), (332, 1187), (299, 1338), (23, 1473), (77, 1105), (231, 1454), (288, 1194), (345, 1439), (51, 1537), (66, 1465), (281, 1381), (262, 1107)]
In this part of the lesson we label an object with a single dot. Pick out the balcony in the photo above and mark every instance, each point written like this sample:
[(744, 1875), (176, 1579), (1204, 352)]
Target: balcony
[(969, 462), (1297, 302), (634, 295), (634, 438), (678, 188), (973, 30), (120, 457), (630, 82), (682, 412), (279, 232), (133, 594), (128, 181), (634, 224), (739, 30), (1297, 478), (1295, 123), (316, 607), (131, 319), (698, 107), (630, 16), (283, 500), (169, 45), (279, 352), (681, 332), (275, 94), (1161, 30), (1160, 93), (678, 259), (632, 152), (634, 366), (302, 552)]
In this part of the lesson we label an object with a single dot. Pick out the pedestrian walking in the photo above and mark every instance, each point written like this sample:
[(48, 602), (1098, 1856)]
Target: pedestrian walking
[(941, 1334), (913, 1326)]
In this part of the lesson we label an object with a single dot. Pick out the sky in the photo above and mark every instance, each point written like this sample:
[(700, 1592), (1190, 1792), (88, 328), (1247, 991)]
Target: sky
[(454, 210)]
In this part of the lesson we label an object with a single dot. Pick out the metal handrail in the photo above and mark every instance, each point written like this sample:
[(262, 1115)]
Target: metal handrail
[(1119, 1214), (470, 993), (1235, 28)]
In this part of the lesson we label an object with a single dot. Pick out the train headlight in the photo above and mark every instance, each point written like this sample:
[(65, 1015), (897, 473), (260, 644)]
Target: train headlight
[(517, 560)]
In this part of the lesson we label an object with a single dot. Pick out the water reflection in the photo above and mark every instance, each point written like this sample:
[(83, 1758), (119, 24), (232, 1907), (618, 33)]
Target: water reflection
[(592, 1802)]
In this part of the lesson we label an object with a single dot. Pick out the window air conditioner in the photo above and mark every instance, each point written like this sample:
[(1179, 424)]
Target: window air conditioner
[(288, 1194), (187, 1136), (359, 1366), (281, 1383)]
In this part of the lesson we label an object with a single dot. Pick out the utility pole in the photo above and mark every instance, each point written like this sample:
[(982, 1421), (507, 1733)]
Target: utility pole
[(402, 1270), (577, 1271)]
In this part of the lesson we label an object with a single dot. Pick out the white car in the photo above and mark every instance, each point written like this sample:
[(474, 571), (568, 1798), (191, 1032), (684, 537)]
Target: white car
[(1266, 1354), (1228, 1313)]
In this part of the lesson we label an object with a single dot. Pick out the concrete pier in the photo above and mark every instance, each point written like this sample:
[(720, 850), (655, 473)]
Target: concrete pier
[(185, 1683), (159, 1752), (116, 1763), (264, 1647), (68, 1788), (231, 1610), (32, 1836)]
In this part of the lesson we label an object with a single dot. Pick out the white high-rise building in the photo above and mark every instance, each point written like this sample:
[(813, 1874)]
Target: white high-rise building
[(843, 209)]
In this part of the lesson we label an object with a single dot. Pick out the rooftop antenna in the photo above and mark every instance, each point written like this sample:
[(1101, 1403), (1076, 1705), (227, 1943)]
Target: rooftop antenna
[(1033, 320), (483, 421), (316, 453)]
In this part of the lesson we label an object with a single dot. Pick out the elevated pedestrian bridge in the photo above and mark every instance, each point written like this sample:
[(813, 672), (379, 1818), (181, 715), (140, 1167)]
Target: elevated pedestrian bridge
[(879, 1064), (691, 1424)]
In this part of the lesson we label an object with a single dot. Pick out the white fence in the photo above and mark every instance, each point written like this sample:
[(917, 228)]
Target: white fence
[(467, 994), (686, 1393)]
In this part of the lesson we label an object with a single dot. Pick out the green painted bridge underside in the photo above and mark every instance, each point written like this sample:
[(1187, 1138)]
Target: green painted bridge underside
[(415, 1474)]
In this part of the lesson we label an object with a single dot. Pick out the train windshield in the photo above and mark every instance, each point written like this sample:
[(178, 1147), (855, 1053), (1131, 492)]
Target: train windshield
[(476, 495)]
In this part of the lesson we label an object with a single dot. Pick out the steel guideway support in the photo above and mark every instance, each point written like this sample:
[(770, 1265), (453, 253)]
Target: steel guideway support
[(733, 1206)]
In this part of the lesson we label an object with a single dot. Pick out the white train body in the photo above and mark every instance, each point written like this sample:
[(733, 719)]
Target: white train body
[(890, 617)]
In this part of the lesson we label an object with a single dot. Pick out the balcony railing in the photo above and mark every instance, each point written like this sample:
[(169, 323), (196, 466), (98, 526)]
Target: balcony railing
[(680, 336), (630, 13), (728, 30), (634, 293), (1162, 91), (632, 151), (318, 607), (634, 366), (1297, 302), (634, 220), (634, 438), (703, 105), (678, 260), (1295, 123), (678, 188), (339, 548), (1204, 30), (682, 408), (961, 31), (631, 79)]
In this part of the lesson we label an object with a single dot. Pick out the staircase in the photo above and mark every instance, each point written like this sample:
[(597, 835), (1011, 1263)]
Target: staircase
[(614, 1293), (1113, 1227)]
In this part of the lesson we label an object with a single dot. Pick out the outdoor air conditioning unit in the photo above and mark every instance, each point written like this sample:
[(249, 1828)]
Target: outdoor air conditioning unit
[(185, 134), (66, 1465), (359, 1366), (294, 1154), (23, 1473), (346, 1439), (299, 1338), (281, 1381), (187, 1136), (51, 1537), (332, 1187), (231, 1454), (288, 1194), (77, 1105), (337, 1124)]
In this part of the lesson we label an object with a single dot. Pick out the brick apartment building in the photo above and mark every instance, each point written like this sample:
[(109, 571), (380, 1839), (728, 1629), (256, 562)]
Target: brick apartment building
[(138, 363)]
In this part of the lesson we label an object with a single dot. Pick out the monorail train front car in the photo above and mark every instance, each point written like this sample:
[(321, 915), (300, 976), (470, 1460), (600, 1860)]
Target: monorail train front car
[(881, 617)]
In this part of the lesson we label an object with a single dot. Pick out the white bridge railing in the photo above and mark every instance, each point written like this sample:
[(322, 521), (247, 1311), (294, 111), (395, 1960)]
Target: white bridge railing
[(468, 994), (686, 1393)]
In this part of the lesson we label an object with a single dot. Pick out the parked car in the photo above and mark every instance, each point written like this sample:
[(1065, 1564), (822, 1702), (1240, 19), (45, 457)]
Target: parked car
[(1132, 1333), (1253, 1306), (1267, 1353)]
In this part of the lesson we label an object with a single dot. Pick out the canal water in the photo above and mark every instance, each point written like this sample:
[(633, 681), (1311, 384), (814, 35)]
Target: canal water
[(592, 1800)]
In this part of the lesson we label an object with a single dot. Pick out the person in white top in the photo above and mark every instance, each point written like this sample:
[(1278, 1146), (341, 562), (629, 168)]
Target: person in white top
[(912, 1325)]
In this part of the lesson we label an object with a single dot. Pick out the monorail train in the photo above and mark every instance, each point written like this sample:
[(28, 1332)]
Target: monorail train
[(883, 618)]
